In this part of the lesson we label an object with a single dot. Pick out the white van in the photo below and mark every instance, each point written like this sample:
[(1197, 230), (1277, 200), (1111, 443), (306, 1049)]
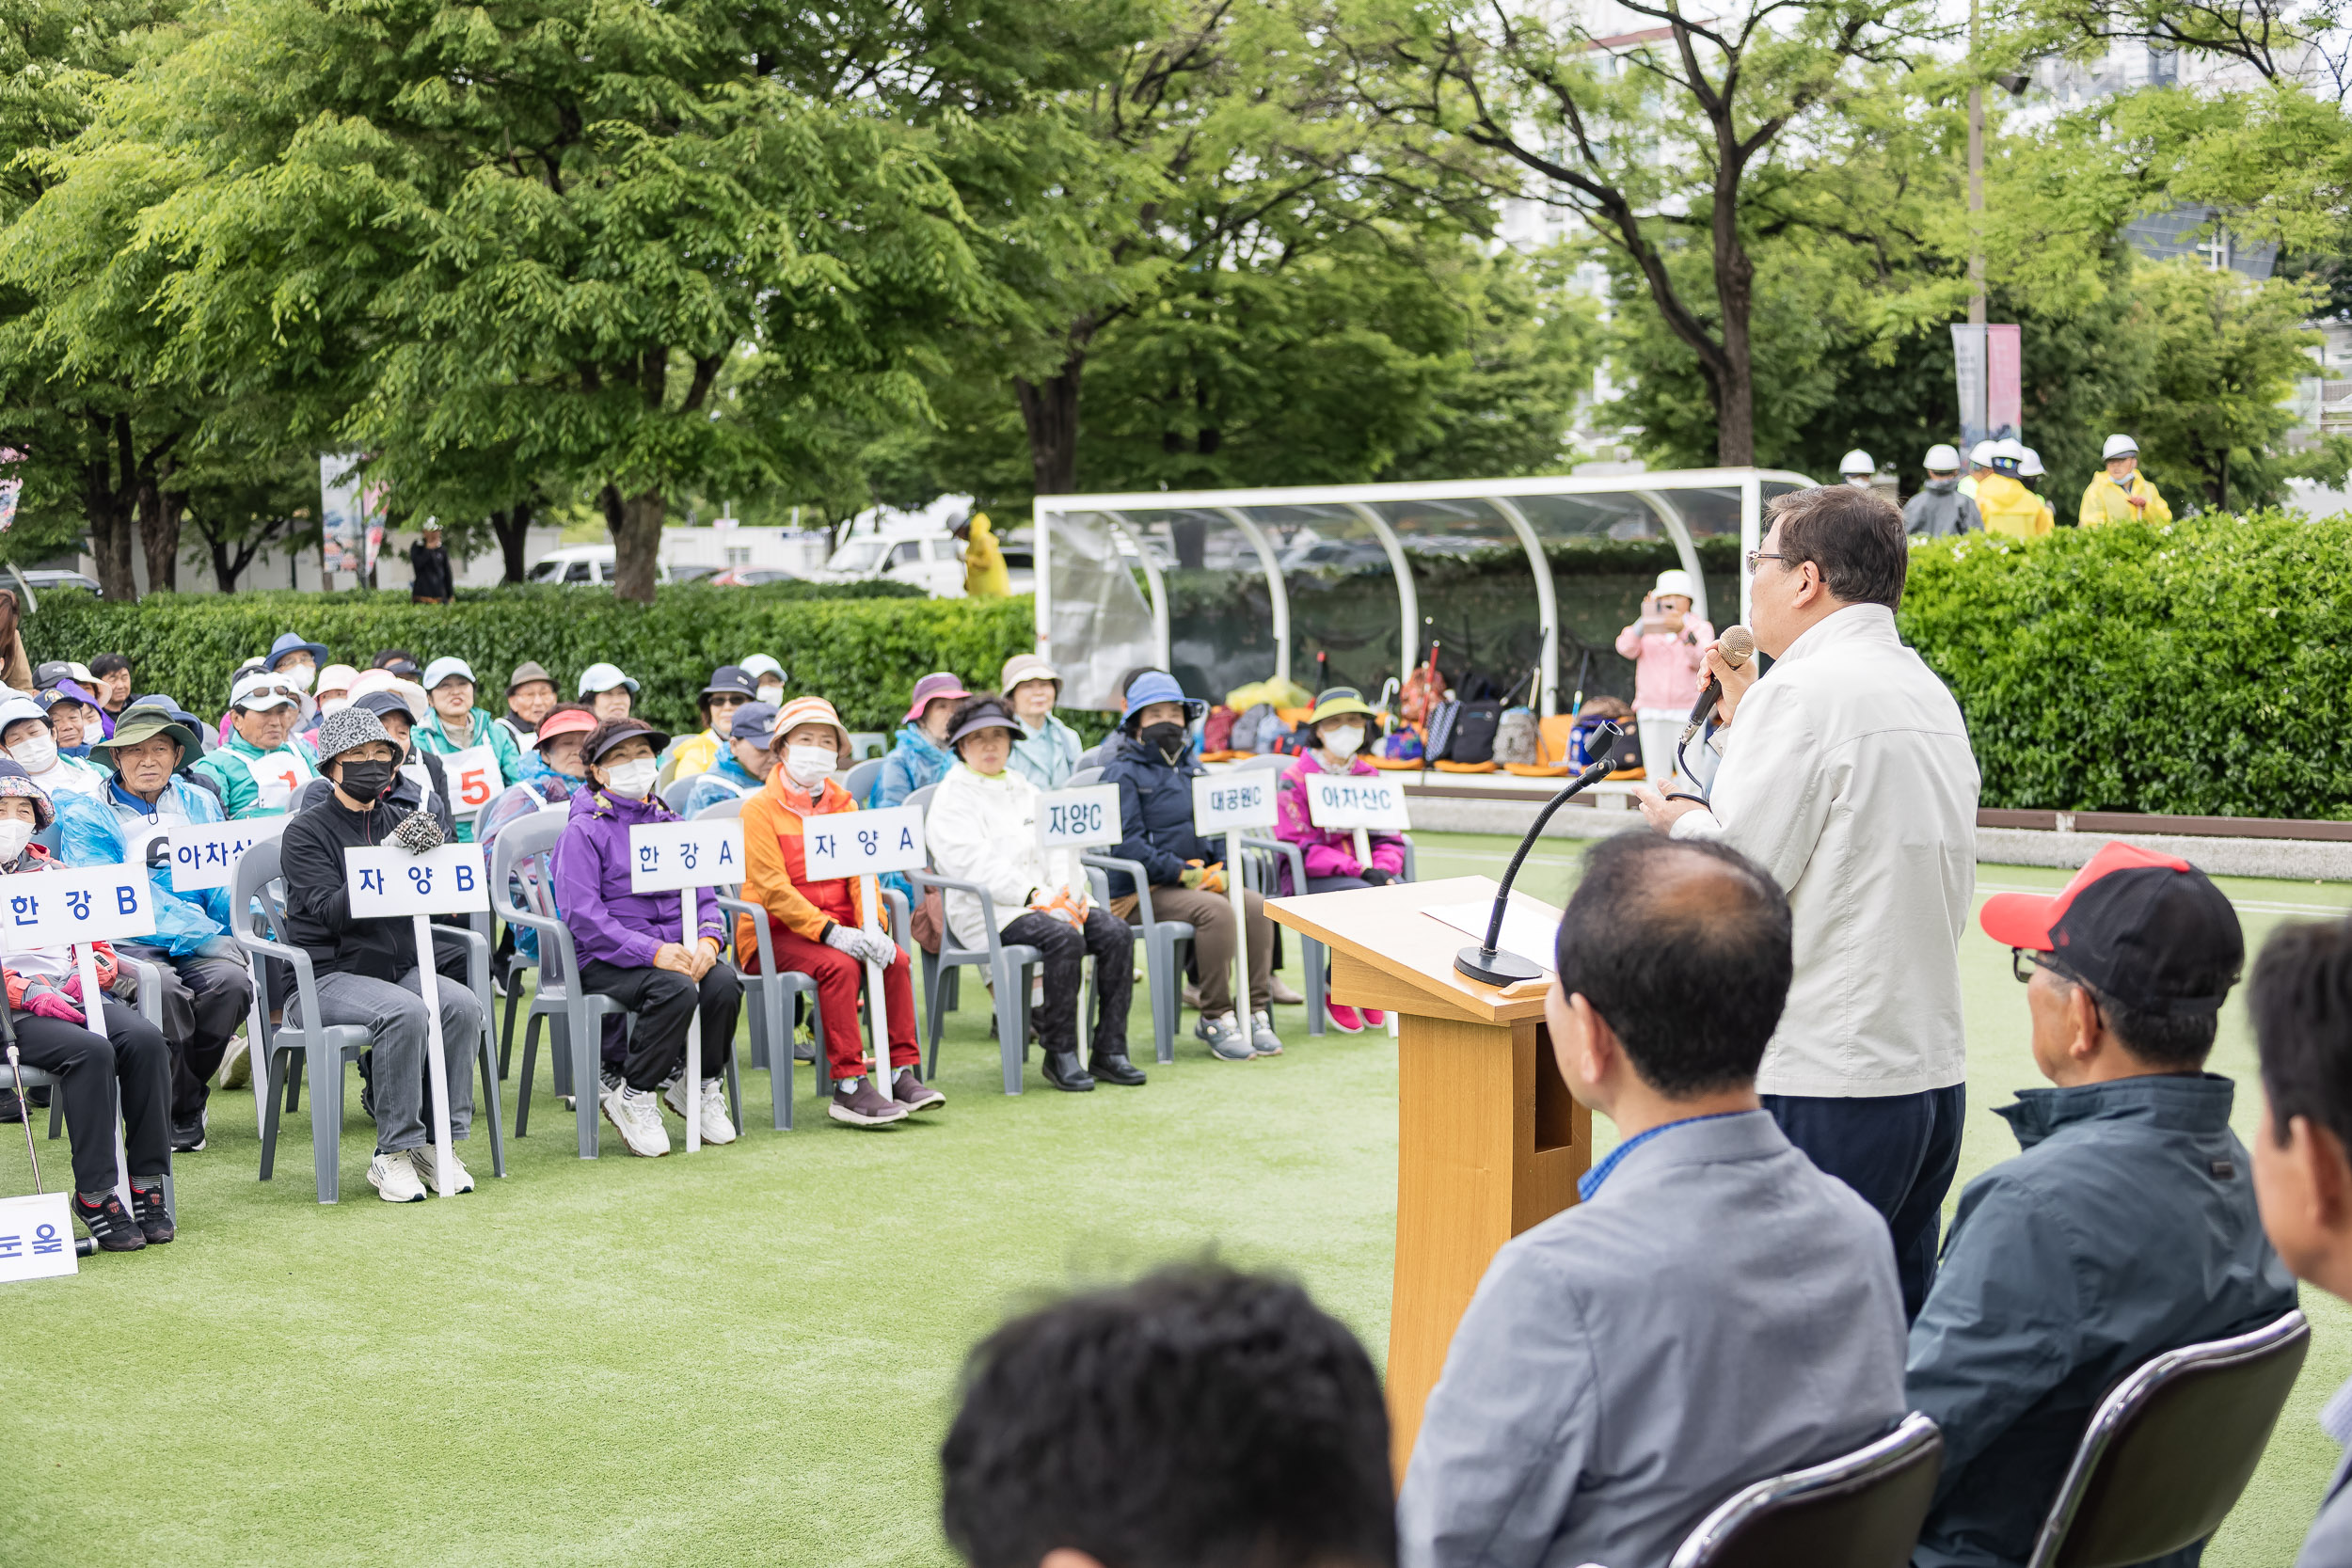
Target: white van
[(583, 566), (929, 557)]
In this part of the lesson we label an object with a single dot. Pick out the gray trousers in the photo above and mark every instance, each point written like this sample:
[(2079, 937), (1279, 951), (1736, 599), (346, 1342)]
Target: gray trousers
[(394, 1014)]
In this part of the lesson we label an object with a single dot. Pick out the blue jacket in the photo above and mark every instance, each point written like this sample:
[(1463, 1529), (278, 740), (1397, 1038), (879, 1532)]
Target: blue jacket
[(91, 832), (723, 780), (1155, 814), (2125, 1228), (914, 763)]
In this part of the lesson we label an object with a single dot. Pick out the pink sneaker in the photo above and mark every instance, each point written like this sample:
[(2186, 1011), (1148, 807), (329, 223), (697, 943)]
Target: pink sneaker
[(1347, 1020), (1374, 1019)]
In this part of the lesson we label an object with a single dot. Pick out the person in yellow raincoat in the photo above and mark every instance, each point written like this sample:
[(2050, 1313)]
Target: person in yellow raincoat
[(984, 574), (2122, 494), (2002, 499)]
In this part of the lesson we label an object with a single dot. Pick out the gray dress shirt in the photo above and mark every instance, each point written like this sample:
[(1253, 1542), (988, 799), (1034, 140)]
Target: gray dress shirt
[(2329, 1543), (1718, 1312)]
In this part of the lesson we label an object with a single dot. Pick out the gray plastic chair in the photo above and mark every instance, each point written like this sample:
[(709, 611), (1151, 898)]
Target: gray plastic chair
[(860, 779), (261, 927), (673, 794), (1264, 853), (1010, 965), (1861, 1511)]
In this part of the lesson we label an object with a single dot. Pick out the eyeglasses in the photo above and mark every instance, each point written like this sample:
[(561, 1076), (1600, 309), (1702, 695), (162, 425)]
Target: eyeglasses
[(1754, 556), (2023, 962)]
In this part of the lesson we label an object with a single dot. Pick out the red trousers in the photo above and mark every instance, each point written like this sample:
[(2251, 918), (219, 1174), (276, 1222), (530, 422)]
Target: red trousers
[(840, 979)]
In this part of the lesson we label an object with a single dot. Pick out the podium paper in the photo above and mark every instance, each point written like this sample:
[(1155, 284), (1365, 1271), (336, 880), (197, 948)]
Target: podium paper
[(1527, 931)]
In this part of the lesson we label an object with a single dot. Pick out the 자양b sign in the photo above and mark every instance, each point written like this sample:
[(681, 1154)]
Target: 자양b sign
[(393, 881)]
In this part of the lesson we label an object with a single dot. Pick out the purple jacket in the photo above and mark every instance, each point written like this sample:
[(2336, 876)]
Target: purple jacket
[(1325, 851), (609, 922)]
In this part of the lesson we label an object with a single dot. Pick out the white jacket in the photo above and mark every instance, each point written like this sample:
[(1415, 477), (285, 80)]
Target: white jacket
[(1847, 774), (984, 830)]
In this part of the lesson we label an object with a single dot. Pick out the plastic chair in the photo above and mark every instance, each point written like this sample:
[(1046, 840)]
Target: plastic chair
[(1863, 1510), (673, 794), (859, 780), (260, 932), (1010, 967), (1162, 939), (2169, 1448)]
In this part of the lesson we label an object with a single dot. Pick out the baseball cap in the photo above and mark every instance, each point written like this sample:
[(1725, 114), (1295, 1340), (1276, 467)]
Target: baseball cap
[(754, 722), (442, 668), (602, 677), (731, 680), (2149, 929)]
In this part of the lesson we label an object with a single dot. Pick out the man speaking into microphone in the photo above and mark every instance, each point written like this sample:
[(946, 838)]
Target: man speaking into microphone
[(1845, 772)]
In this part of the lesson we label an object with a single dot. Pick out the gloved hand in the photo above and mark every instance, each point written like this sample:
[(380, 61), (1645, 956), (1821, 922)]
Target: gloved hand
[(878, 949), (419, 831), (846, 939), (1061, 906), (1373, 875), (1192, 875), (1212, 878), (48, 1001)]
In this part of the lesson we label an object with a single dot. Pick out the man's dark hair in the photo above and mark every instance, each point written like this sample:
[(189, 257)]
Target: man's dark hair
[(1198, 1419), (1854, 537), (106, 664), (2171, 1042), (391, 656), (1684, 947), (2301, 999)]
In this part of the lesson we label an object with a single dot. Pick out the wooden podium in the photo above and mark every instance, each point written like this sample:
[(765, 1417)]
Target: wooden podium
[(1488, 1140)]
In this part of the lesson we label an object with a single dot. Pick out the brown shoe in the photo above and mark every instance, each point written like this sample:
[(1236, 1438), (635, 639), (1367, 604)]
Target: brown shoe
[(1282, 993), (866, 1105), (913, 1093)]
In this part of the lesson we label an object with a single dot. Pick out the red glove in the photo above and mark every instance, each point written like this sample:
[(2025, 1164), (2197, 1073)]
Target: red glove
[(47, 1002)]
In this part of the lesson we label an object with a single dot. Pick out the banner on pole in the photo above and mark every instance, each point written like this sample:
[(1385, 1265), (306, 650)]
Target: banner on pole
[(351, 516), (1988, 371)]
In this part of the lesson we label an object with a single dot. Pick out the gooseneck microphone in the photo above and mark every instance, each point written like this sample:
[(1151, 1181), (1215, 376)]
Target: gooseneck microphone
[(1737, 647), (1485, 961)]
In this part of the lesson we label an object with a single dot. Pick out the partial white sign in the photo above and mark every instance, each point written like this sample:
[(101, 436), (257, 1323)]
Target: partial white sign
[(1082, 818), (666, 857), (1340, 802), (863, 842), (473, 778), (205, 854), (448, 880), (36, 1237), (1233, 803), (52, 908)]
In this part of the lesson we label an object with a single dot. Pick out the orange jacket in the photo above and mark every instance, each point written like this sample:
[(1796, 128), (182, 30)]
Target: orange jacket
[(776, 872)]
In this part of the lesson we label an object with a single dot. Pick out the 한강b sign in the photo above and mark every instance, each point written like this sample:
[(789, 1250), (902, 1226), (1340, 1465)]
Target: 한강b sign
[(53, 909)]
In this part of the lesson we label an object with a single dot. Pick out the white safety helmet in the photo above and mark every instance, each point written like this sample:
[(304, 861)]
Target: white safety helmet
[(2008, 454), (2029, 466), (1943, 458), (1980, 456), (1675, 582), (1857, 462), (2120, 446)]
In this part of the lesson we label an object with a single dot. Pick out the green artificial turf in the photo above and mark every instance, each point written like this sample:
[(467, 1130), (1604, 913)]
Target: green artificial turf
[(749, 1356)]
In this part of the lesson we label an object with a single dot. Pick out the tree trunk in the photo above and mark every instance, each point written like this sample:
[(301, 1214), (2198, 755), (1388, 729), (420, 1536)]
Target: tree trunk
[(635, 522), (1735, 298), (109, 492), (1049, 410), (514, 532), (161, 515)]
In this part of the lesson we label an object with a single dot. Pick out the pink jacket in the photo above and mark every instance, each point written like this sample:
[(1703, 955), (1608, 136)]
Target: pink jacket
[(1327, 853), (1665, 664)]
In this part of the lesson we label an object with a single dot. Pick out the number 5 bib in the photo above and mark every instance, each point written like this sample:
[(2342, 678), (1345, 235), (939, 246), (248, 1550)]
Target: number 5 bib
[(473, 778)]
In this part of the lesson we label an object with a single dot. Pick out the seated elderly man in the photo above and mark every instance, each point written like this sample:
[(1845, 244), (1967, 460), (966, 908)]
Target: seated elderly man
[(2126, 1228), (1716, 1310), (261, 766), (206, 986)]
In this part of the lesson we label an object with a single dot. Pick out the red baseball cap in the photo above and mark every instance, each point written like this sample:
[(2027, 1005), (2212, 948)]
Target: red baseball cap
[(574, 722), (2148, 929)]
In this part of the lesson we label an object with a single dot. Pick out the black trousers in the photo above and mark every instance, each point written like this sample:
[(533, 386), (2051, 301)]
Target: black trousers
[(1111, 942), (204, 1005), (664, 1002), (132, 1060), (1899, 1151)]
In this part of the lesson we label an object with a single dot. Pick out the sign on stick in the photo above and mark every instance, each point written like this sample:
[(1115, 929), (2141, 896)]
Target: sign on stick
[(864, 842), (393, 881)]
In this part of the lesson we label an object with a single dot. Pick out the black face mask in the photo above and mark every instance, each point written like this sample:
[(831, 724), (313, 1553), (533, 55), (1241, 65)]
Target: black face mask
[(1166, 740), (366, 781)]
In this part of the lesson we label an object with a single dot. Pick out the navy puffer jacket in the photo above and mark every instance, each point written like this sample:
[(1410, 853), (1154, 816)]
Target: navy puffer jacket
[(1155, 813)]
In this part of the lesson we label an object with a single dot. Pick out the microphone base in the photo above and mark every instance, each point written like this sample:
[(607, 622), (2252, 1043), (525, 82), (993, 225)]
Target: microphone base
[(1495, 969)]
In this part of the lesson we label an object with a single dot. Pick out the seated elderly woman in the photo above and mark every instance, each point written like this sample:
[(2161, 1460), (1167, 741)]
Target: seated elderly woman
[(1340, 722), (628, 948), (982, 829)]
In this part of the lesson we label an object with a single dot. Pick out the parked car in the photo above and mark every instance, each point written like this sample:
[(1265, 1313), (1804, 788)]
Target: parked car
[(583, 566), (42, 581), (929, 558), (752, 576)]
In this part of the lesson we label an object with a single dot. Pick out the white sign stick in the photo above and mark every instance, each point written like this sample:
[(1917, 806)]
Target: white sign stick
[(436, 1070), (876, 1008), (688, 856), (694, 1096), (447, 880), (1231, 804)]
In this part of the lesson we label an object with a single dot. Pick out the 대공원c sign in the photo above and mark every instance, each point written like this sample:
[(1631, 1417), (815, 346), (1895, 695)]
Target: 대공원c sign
[(1340, 801), (1080, 818), (205, 854), (863, 842), (667, 857), (448, 880), (1233, 802), (51, 909)]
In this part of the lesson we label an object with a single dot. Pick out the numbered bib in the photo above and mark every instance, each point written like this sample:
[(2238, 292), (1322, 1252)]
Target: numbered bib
[(278, 774), (473, 778)]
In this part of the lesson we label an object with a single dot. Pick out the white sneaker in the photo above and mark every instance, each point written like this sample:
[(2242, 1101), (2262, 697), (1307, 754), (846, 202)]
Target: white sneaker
[(394, 1177), (236, 1068), (638, 1119), (460, 1178), (718, 1128)]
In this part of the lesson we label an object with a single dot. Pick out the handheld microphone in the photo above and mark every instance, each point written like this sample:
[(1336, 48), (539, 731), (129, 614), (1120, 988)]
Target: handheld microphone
[(1484, 961), (1737, 647)]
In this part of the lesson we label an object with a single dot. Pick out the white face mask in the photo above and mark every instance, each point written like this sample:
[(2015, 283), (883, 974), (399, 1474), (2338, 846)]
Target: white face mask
[(332, 705), (36, 753), (299, 676), (772, 692), (808, 766), (1344, 741), (632, 779), (14, 836)]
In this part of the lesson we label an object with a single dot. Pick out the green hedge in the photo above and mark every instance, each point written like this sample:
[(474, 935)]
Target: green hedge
[(2201, 667), (861, 649)]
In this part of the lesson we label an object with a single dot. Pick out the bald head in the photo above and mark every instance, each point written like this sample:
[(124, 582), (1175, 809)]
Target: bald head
[(1684, 947)]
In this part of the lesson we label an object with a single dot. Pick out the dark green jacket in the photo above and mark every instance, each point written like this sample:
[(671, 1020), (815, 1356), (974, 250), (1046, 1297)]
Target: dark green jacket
[(2126, 1228)]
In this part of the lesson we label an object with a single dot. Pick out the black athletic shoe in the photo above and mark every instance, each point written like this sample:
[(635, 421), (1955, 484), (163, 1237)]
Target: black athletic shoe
[(110, 1225), (155, 1220), (1106, 1066), (188, 1137)]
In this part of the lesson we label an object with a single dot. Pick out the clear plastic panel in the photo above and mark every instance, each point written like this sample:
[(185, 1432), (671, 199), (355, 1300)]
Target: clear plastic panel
[(1100, 621), (1221, 612), (1477, 592), (1344, 605)]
